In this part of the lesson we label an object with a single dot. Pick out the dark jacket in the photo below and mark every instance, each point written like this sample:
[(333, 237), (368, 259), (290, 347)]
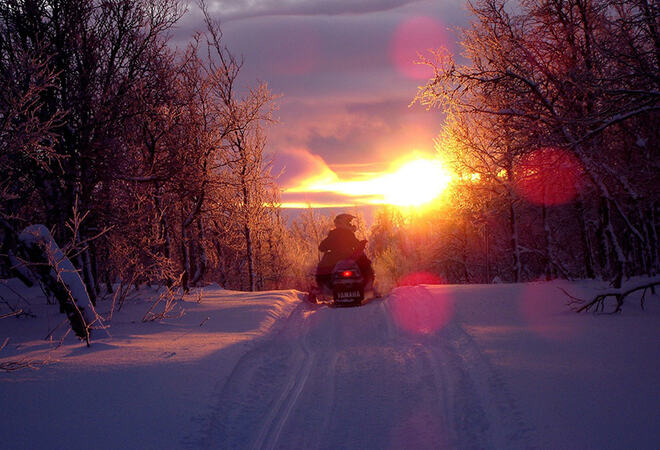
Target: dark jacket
[(340, 244)]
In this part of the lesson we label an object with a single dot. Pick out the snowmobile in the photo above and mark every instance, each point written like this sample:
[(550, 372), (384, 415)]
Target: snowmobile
[(346, 287), (347, 283)]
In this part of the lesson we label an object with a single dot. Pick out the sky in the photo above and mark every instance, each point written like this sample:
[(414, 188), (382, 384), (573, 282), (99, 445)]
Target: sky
[(345, 76)]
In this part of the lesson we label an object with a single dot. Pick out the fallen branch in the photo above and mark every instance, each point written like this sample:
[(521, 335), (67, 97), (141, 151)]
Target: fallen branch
[(598, 302), (14, 313), (11, 366)]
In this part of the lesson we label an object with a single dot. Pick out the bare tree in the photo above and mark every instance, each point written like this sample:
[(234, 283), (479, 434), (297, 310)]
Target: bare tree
[(559, 75), (242, 165)]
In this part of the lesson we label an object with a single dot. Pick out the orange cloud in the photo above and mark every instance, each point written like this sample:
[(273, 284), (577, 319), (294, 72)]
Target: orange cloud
[(299, 168)]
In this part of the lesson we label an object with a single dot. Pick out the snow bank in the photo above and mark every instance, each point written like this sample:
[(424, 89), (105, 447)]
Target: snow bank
[(142, 386)]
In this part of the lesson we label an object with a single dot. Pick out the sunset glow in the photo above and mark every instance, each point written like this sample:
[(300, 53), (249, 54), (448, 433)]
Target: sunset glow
[(415, 183), (412, 182)]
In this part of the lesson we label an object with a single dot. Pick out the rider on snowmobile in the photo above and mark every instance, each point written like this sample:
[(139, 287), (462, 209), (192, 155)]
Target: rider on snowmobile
[(341, 243)]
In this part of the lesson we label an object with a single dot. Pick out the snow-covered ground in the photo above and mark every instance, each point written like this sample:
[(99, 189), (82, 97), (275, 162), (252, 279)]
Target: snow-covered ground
[(497, 366)]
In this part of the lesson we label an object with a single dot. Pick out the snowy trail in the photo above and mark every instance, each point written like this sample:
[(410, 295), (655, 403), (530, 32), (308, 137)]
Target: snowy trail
[(446, 366), (357, 378)]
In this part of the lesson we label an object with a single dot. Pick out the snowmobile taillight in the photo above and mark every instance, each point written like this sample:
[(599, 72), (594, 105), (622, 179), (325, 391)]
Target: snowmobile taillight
[(347, 273)]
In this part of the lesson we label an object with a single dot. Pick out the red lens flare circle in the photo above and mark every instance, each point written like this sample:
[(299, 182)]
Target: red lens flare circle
[(414, 36), (548, 176), (413, 279), (418, 311)]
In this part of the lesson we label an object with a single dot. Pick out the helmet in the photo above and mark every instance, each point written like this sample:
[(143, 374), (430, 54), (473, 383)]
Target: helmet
[(344, 219)]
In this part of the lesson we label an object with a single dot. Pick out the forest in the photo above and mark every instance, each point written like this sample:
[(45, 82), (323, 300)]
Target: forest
[(148, 164), (552, 121)]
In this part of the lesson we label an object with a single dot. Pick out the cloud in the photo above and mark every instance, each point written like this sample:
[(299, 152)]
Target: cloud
[(323, 199), (299, 167), (327, 128), (319, 56), (344, 109), (240, 9), (365, 132)]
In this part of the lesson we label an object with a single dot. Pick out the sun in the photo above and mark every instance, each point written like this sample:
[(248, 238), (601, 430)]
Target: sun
[(415, 183)]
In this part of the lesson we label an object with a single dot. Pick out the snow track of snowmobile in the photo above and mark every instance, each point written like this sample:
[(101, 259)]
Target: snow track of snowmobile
[(352, 378)]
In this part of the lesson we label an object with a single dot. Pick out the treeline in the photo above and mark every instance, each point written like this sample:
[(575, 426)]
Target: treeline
[(147, 163), (553, 127), (148, 166)]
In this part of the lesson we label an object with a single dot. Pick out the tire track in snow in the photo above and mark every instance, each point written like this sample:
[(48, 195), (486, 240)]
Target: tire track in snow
[(260, 392), (352, 378), (462, 405), (506, 426), (278, 415), (476, 400)]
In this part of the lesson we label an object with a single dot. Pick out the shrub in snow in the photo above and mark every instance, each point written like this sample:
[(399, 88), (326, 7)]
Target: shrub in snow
[(56, 272)]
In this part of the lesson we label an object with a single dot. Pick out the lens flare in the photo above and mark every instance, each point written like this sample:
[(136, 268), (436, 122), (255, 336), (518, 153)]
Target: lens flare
[(412, 37), (417, 311), (548, 176)]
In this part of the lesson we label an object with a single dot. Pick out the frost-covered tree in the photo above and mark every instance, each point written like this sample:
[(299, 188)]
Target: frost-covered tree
[(156, 150), (551, 98), (101, 57), (302, 242)]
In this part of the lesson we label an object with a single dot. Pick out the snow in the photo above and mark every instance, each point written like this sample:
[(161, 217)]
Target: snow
[(65, 270), (474, 366)]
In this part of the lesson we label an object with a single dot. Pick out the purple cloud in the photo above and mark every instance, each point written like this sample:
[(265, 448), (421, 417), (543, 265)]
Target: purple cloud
[(240, 9)]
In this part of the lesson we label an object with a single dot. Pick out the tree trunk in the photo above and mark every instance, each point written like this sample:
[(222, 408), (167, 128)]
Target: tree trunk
[(464, 253), (587, 246), (59, 276), (185, 255), (515, 246), (201, 255), (652, 226), (90, 279), (249, 256), (549, 252), (487, 243), (619, 269)]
